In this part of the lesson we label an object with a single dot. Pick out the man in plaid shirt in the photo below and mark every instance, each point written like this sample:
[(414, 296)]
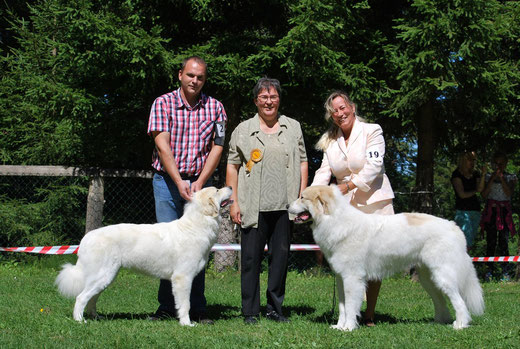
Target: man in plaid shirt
[(188, 129)]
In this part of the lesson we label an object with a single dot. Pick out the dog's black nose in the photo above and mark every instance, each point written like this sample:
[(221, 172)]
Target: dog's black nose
[(287, 207)]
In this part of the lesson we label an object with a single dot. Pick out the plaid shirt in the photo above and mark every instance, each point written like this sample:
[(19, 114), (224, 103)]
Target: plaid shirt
[(192, 130)]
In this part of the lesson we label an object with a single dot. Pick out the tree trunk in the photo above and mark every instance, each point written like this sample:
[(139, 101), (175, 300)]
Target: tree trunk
[(227, 234), (225, 259), (425, 158), (95, 202)]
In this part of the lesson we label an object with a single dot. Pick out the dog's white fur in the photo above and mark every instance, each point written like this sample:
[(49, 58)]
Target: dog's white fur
[(175, 251), (361, 247)]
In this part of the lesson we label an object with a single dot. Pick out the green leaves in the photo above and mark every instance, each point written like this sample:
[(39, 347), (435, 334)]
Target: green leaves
[(77, 64), (450, 53), (77, 86)]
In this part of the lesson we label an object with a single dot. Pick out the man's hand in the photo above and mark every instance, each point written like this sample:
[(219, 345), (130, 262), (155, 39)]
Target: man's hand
[(184, 190), (196, 186)]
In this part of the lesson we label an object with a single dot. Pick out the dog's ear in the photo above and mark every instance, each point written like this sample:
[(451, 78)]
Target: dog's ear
[(210, 207), (324, 205), (326, 199)]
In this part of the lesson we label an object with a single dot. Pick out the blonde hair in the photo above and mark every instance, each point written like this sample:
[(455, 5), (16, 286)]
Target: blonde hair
[(463, 157), (330, 135)]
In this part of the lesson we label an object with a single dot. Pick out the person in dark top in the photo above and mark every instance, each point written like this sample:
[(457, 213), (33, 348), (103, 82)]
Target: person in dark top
[(497, 216), (467, 183)]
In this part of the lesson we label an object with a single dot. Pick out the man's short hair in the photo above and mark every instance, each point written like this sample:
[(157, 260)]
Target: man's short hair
[(197, 59)]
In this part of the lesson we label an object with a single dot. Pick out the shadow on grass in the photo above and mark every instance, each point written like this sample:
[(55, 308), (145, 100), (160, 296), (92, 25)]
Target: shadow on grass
[(300, 310), (215, 312), (226, 312), (332, 318)]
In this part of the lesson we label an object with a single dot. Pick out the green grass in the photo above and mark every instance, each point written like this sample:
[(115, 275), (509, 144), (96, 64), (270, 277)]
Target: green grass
[(34, 315)]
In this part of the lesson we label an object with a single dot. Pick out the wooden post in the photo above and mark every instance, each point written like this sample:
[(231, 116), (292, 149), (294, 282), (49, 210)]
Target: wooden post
[(517, 273), (95, 202), (226, 235)]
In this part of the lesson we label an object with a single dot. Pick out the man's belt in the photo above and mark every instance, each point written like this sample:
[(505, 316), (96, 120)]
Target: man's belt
[(184, 176)]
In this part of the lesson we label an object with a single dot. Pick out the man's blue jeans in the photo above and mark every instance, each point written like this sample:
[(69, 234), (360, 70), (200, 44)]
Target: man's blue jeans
[(169, 206)]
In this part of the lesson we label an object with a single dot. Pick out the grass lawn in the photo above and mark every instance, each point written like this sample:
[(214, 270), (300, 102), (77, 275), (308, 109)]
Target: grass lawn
[(34, 315)]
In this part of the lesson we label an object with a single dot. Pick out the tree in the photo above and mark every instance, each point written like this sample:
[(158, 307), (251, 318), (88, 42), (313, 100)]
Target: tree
[(77, 84), (76, 89), (456, 73)]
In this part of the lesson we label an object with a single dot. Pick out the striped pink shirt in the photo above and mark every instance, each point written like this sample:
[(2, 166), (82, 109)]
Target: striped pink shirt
[(192, 130)]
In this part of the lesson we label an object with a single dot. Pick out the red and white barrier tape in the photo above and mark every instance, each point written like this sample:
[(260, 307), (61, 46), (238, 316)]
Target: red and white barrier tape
[(497, 259), (73, 249)]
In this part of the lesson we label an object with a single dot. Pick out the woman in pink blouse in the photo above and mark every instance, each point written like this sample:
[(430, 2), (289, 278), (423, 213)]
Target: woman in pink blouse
[(353, 152)]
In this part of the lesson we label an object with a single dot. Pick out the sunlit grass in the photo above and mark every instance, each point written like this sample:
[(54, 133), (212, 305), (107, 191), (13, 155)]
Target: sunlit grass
[(34, 315)]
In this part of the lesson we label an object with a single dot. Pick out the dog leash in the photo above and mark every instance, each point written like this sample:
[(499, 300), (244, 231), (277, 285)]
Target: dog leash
[(333, 296)]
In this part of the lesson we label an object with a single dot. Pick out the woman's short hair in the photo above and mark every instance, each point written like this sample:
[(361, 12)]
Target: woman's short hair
[(266, 83)]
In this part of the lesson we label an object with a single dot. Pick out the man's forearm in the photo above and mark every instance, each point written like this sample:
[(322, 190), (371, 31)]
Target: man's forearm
[(211, 163)]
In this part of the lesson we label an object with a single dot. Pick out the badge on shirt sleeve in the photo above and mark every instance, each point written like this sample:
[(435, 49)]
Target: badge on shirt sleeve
[(373, 154), (220, 132)]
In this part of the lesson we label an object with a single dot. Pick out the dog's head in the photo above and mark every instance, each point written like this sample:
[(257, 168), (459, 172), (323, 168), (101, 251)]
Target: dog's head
[(211, 200), (315, 202)]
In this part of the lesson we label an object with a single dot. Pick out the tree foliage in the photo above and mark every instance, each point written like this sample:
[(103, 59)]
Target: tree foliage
[(459, 56), (456, 78), (78, 77), (73, 91)]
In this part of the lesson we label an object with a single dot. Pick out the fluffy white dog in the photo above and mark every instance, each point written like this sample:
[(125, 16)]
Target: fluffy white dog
[(175, 251), (361, 247)]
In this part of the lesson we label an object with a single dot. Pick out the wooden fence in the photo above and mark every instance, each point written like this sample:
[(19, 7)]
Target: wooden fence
[(96, 198)]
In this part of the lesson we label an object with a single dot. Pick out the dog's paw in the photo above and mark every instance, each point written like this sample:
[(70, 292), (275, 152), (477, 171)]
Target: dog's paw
[(351, 327), (186, 322), (459, 325), (343, 328), (80, 319)]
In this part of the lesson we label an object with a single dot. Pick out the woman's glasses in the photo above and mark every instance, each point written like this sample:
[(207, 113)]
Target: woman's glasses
[(264, 98)]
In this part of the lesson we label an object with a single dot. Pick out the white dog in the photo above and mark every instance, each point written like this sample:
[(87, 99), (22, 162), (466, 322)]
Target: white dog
[(361, 247), (175, 251)]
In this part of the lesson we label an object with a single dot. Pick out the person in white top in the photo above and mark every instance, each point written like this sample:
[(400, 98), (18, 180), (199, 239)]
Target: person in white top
[(353, 152), (497, 217)]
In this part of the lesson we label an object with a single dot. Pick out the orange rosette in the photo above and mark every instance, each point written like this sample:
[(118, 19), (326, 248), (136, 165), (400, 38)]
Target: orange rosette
[(249, 166), (256, 155)]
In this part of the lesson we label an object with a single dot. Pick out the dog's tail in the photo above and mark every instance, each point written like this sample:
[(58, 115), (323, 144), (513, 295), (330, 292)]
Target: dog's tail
[(471, 290), (70, 280)]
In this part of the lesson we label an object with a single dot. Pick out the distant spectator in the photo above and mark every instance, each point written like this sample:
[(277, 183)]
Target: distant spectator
[(497, 217), (467, 183)]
